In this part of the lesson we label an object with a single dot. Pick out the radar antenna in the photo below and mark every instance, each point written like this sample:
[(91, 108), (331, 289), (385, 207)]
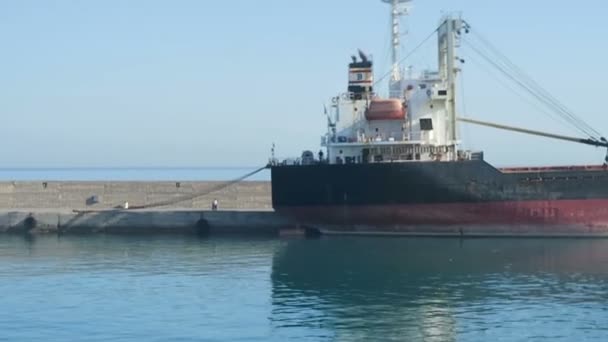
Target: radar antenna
[(399, 8)]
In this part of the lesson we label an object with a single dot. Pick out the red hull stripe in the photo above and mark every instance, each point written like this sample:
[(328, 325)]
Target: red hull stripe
[(563, 212)]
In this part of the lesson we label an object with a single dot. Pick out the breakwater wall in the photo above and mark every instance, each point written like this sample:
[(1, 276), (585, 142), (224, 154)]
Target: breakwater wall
[(96, 207), (146, 222), (106, 195)]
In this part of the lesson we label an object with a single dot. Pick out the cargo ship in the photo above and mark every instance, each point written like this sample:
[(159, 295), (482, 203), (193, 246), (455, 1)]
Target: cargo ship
[(395, 165)]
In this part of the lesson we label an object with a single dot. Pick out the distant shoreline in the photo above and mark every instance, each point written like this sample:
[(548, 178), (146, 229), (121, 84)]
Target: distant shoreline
[(129, 174)]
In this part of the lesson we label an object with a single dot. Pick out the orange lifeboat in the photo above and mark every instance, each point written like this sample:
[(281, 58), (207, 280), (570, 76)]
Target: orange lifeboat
[(391, 109)]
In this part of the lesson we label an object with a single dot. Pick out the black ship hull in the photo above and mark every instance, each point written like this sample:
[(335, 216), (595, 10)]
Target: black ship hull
[(469, 198)]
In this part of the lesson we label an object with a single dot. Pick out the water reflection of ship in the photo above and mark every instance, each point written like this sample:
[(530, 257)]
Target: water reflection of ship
[(414, 288)]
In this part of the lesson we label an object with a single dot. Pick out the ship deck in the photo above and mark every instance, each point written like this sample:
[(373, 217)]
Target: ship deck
[(554, 169)]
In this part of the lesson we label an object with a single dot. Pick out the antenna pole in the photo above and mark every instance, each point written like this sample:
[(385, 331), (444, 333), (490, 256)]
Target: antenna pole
[(399, 8), (451, 79), (396, 39)]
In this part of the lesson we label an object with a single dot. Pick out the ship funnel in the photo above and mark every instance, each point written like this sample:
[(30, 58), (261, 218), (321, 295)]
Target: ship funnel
[(363, 56), (360, 77)]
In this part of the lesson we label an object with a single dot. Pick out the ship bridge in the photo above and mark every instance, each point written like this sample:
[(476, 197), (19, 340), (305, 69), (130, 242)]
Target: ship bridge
[(417, 121)]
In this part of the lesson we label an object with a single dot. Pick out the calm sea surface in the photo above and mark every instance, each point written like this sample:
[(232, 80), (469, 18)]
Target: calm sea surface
[(105, 288), (131, 174)]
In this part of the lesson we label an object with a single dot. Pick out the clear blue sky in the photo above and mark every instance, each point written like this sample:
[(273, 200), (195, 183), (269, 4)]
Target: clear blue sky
[(215, 83)]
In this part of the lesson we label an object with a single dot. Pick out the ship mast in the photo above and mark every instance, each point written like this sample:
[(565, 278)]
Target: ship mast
[(399, 8), (449, 40)]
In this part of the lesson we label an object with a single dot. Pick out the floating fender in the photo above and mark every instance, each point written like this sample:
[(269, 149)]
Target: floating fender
[(30, 223), (312, 232)]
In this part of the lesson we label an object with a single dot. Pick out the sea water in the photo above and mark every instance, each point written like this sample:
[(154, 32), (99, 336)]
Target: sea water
[(112, 288)]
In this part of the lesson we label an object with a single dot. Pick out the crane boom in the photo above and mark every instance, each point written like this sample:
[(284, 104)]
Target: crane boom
[(597, 143)]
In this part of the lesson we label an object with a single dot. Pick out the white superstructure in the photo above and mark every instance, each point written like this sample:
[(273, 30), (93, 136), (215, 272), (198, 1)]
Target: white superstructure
[(416, 123), (418, 120)]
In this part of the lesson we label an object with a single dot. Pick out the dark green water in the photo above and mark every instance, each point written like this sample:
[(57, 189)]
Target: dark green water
[(181, 289)]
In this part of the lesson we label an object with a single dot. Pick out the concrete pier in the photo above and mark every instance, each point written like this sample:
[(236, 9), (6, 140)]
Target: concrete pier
[(143, 222), (106, 195), (95, 207)]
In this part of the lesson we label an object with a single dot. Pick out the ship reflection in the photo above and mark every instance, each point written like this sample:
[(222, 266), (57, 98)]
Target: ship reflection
[(429, 289)]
